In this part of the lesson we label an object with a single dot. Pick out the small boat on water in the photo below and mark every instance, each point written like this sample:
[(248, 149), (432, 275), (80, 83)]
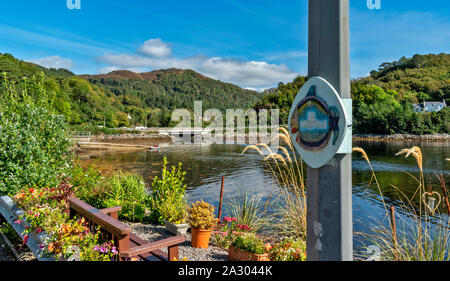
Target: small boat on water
[(155, 148)]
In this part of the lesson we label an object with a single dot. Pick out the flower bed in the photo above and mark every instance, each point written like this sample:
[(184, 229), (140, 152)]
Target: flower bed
[(244, 245), (11, 213), (288, 250), (227, 230), (40, 216)]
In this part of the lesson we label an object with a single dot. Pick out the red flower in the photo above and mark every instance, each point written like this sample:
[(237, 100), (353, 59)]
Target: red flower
[(227, 219), (243, 227)]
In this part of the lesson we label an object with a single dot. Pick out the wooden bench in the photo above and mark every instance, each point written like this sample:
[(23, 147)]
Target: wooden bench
[(128, 244)]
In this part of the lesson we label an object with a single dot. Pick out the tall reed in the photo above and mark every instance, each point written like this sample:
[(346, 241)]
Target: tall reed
[(417, 238), (287, 169), (249, 209)]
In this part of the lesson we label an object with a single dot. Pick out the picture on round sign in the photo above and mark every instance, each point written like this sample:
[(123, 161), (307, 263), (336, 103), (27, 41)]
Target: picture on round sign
[(314, 122)]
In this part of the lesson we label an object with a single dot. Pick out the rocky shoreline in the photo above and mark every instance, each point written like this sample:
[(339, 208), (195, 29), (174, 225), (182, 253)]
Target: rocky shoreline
[(157, 138), (404, 137), (124, 137)]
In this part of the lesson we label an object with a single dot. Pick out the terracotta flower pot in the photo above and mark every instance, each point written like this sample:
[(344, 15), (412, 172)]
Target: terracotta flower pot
[(235, 254), (200, 238)]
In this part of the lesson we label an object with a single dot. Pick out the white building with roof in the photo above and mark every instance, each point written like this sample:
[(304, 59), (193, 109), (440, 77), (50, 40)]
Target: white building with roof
[(433, 106)]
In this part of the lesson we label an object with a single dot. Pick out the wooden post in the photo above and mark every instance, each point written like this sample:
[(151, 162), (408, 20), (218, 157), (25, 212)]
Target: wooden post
[(221, 198), (329, 191), (172, 253), (123, 243)]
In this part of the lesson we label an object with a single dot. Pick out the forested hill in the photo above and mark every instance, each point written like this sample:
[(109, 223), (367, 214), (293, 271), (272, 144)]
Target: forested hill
[(382, 102), (110, 99), (174, 88), (422, 77)]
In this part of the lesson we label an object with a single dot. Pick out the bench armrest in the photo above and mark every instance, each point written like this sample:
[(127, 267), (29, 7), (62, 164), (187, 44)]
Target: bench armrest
[(113, 211), (94, 215), (152, 246)]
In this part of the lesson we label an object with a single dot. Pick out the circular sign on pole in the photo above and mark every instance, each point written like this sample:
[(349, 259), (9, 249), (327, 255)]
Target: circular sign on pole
[(317, 122)]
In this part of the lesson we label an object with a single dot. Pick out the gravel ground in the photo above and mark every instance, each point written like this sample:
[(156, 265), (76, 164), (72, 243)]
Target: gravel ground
[(147, 232), (153, 233)]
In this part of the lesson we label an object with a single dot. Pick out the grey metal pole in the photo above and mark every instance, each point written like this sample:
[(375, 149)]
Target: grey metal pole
[(329, 191)]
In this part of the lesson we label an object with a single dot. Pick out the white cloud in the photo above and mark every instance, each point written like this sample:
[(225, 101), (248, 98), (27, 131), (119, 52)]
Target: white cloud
[(287, 55), (54, 62), (155, 48), (107, 69), (247, 74)]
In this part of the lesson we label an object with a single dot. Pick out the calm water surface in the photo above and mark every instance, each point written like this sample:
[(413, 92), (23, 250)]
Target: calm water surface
[(205, 166)]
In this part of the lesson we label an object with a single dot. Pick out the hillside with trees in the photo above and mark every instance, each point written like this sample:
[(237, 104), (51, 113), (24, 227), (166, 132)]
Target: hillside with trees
[(162, 91), (383, 102), (110, 99)]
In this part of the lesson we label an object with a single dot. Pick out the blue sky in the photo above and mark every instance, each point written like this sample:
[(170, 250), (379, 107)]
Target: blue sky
[(252, 43)]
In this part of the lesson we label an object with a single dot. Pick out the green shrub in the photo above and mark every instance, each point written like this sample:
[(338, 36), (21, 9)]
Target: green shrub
[(173, 207), (88, 183), (167, 196), (34, 142), (127, 190)]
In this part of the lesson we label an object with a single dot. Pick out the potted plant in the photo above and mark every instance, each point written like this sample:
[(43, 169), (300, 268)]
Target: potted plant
[(167, 201), (288, 249), (173, 210), (202, 220), (226, 231), (248, 247)]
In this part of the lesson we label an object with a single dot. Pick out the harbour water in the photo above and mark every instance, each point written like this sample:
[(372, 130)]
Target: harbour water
[(206, 165)]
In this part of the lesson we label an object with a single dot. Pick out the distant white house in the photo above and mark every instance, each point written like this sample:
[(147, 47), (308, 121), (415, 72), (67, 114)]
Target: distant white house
[(429, 106)]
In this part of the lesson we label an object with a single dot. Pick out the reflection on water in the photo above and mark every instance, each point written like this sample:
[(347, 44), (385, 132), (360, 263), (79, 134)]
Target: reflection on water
[(397, 177), (397, 173), (205, 166)]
